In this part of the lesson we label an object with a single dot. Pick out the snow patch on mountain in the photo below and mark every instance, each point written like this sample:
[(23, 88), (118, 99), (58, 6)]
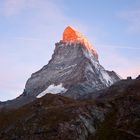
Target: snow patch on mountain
[(54, 89)]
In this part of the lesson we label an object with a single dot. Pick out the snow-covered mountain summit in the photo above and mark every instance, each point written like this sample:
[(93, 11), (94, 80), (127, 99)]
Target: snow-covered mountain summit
[(75, 65), (72, 35)]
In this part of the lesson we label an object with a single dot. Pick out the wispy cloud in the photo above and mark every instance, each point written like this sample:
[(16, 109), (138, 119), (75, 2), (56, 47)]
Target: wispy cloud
[(121, 47), (13, 7), (112, 59), (28, 39), (132, 17)]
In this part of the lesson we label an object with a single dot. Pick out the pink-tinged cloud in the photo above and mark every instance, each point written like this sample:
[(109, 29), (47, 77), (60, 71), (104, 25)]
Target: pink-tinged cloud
[(13, 7), (112, 59), (132, 17), (133, 71)]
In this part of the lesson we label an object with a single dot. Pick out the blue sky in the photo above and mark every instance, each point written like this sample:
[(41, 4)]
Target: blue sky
[(30, 28)]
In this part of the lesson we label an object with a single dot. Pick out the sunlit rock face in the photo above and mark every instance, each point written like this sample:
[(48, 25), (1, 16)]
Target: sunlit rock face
[(75, 65), (71, 35)]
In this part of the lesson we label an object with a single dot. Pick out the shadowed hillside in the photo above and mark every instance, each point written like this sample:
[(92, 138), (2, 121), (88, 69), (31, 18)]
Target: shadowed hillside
[(115, 115)]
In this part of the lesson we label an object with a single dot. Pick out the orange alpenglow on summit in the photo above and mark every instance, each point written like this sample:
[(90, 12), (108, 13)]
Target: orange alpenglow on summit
[(71, 35)]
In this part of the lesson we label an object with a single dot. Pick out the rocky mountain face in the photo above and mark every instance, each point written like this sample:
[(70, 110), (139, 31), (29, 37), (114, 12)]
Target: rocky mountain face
[(114, 115), (75, 66)]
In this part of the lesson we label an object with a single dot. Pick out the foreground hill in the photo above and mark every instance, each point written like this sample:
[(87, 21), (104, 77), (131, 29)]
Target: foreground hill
[(115, 115), (123, 122)]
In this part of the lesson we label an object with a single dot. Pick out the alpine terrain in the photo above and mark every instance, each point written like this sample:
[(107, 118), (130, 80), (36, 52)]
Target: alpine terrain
[(74, 67)]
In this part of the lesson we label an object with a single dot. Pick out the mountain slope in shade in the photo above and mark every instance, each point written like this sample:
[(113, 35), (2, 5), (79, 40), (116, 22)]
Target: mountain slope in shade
[(115, 115), (52, 117), (123, 122), (75, 65)]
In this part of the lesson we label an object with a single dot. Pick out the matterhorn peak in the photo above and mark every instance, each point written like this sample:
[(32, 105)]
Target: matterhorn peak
[(73, 70), (72, 35)]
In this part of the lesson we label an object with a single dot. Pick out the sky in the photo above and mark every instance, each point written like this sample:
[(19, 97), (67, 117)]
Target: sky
[(29, 30)]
